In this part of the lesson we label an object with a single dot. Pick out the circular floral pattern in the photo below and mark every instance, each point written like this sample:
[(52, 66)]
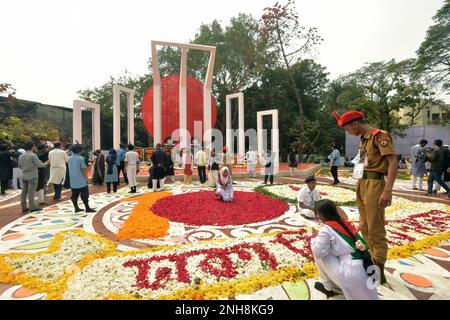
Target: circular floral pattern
[(201, 208)]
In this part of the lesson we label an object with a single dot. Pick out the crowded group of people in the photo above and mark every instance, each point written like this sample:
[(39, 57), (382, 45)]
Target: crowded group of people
[(438, 160), (208, 163), (219, 168), (35, 169)]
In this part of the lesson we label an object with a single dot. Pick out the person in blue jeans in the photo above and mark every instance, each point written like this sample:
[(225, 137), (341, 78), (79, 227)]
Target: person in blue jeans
[(78, 179), (436, 160), (121, 157), (335, 162)]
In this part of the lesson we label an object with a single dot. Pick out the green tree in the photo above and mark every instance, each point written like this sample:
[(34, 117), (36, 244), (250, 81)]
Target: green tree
[(434, 52), (242, 56), (419, 96), (19, 130), (380, 90), (273, 91), (281, 27), (103, 96)]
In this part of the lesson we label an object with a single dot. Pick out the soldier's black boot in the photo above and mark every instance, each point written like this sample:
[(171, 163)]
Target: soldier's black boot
[(382, 276)]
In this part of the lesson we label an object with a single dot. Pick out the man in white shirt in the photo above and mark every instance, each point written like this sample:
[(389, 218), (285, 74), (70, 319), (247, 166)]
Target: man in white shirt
[(132, 167), (307, 198), (17, 172), (251, 162), (58, 159), (201, 160)]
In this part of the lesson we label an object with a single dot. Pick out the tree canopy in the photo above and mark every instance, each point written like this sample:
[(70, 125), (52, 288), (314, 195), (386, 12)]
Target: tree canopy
[(434, 52), (23, 130), (270, 60)]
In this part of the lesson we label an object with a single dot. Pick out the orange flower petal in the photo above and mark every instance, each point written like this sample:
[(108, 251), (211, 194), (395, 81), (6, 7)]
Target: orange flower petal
[(143, 223)]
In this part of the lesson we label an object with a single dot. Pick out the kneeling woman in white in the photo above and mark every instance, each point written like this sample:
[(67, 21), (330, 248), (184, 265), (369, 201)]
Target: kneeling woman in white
[(339, 257), (224, 185)]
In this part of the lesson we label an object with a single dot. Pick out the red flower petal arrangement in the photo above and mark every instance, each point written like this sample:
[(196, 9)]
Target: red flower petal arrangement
[(201, 208)]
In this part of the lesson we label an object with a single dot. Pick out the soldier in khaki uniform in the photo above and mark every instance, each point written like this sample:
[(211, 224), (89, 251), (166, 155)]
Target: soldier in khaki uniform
[(378, 169)]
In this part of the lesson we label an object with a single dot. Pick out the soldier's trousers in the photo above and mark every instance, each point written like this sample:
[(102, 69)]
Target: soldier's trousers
[(371, 217)]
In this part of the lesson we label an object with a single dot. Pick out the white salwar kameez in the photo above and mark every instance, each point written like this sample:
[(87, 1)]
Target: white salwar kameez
[(132, 161), (224, 189), (226, 192), (58, 159), (418, 169), (333, 257), (251, 163)]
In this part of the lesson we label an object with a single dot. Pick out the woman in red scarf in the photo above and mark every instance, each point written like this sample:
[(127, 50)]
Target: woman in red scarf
[(341, 256)]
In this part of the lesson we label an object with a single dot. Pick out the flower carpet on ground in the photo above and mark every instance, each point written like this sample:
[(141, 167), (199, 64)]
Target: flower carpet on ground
[(348, 173), (206, 270), (245, 258), (289, 192), (143, 223), (201, 208), (346, 197)]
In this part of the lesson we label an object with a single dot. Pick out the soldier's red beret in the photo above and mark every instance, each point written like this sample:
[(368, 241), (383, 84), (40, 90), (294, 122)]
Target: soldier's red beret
[(347, 117)]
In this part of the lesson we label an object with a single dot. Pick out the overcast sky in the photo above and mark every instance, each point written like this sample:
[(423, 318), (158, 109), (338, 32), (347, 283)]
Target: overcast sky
[(49, 49)]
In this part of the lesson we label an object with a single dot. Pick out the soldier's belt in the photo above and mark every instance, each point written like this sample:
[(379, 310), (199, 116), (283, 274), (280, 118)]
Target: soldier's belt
[(372, 175)]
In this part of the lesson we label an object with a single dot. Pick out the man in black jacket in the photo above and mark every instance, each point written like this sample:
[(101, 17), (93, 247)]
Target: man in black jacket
[(99, 168), (159, 162), (445, 168), (436, 158), (446, 164)]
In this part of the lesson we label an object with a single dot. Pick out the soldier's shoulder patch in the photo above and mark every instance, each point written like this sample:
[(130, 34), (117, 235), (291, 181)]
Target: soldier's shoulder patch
[(384, 138), (376, 131)]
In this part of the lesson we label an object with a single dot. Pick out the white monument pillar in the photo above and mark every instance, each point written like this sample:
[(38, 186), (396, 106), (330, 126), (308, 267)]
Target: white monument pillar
[(116, 114), (275, 134), (156, 96), (183, 97), (77, 122), (207, 103), (241, 128)]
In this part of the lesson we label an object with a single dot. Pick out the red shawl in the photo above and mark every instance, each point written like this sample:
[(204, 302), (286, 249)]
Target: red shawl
[(335, 225)]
